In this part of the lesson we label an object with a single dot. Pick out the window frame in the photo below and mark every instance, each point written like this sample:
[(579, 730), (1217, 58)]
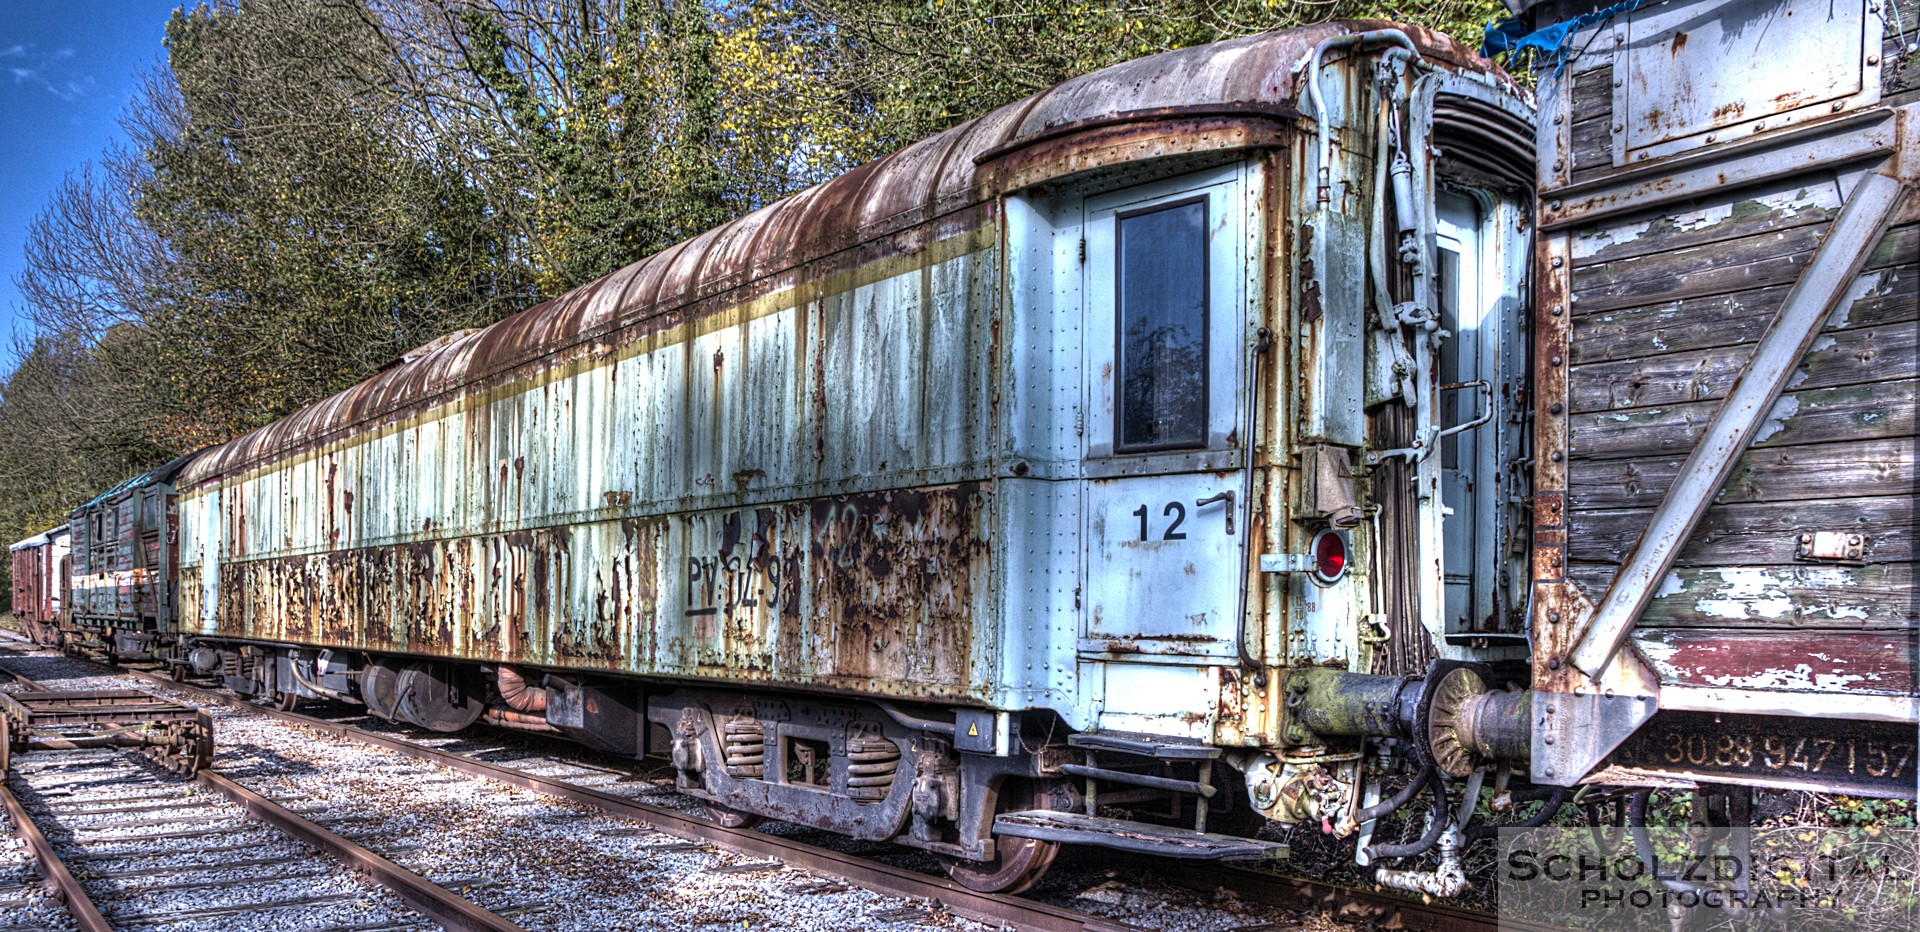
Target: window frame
[(1235, 240), (1120, 217)]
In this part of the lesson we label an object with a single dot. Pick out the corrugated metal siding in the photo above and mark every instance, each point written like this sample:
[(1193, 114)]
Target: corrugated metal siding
[(573, 521)]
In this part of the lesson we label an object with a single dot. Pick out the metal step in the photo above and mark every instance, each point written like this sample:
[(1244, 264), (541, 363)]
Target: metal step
[(1140, 745), (1167, 841)]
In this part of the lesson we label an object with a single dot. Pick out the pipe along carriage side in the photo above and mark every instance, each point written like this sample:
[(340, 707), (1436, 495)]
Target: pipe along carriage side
[(1175, 451)]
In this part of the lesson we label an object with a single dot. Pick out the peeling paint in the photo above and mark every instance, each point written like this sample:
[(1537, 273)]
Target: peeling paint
[(1783, 411)]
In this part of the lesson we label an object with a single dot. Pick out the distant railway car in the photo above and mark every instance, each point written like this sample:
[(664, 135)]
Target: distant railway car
[(124, 564), (40, 580), (1728, 264)]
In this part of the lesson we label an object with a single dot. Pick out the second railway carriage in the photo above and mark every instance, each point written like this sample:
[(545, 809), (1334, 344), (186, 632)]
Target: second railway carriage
[(1729, 268), (124, 565), (1143, 443)]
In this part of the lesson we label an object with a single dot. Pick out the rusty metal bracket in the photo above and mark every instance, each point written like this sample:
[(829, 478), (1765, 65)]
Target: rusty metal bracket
[(1740, 417)]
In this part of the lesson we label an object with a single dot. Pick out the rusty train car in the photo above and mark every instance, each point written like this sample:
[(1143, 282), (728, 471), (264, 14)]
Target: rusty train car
[(1201, 443), (40, 582)]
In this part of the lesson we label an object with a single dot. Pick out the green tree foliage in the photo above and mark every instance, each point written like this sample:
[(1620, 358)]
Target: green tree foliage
[(310, 238), (604, 131), (66, 430), (909, 68)]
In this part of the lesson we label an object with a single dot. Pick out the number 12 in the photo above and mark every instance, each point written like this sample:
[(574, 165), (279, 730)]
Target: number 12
[(1174, 510)]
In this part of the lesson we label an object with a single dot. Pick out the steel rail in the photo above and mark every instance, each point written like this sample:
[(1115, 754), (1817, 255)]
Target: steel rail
[(1253, 885), (871, 875), (441, 905), (64, 886), (436, 902)]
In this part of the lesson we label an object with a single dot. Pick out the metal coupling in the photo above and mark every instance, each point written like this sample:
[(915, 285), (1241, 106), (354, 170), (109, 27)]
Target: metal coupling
[(1498, 726), (1334, 703)]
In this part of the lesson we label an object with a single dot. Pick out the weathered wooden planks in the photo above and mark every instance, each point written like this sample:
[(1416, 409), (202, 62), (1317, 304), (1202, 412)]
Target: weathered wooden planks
[(1822, 415), (1774, 206), (1755, 261), (1590, 108), (1879, 296), (1591, 143), (1845, 357), (1859, 663), (1752, 533), (1901, 246), (1863, 663), (1592, 94), (1847, 469), (1799, 596)]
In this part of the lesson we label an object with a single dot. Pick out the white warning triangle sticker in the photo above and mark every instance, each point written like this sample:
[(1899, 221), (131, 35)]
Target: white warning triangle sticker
[(973, 730)]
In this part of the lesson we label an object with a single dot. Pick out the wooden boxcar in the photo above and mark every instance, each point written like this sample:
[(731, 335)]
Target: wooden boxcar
[(125, 563), (1728, 264), (40, 581)]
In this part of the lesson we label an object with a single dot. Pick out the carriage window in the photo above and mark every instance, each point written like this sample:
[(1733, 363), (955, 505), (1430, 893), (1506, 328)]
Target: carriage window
[(1162, 290)]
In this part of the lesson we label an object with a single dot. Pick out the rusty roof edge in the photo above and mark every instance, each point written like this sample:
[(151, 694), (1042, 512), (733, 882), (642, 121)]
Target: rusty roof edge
[(1274, 111), (495, 351)]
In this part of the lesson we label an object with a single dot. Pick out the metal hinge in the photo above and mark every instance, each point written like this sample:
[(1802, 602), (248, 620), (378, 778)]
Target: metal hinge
[(1286, 563), (1830, 547)]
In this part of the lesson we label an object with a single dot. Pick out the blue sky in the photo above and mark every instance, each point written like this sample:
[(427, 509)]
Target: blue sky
[(67, 70)]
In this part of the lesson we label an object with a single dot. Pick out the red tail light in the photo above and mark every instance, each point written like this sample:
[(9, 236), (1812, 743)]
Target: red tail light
[(1329, 557)]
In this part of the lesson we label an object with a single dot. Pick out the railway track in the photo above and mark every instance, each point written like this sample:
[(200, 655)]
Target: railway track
[(767, 850), (125, 844)]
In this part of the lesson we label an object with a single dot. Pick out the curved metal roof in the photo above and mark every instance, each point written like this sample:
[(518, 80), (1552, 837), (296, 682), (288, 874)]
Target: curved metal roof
[(34, 541), (926, 179), (162, 474)]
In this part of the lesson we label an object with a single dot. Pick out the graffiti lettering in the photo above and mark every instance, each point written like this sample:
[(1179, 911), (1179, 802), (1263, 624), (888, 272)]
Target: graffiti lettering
[(750, 574)]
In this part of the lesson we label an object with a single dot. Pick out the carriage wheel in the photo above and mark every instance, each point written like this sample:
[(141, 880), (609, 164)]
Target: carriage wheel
[(1018, 863)]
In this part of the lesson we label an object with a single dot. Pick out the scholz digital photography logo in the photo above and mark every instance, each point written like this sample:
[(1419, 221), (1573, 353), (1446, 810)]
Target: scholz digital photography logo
[(1621, 879)]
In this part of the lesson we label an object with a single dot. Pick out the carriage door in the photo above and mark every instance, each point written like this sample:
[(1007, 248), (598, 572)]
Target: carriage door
[(1462, 400), (1480, 373), (1164, 284), (210, 547)]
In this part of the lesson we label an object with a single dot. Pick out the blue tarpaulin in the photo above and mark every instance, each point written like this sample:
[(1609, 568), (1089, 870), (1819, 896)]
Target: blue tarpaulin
[(1551, 42)]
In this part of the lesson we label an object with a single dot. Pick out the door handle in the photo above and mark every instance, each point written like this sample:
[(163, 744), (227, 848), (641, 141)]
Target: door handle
[(1227, 497)]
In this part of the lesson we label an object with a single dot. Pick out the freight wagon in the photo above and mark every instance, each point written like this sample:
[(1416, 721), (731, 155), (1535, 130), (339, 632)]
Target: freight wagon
[(1728, 262), (40, 582)]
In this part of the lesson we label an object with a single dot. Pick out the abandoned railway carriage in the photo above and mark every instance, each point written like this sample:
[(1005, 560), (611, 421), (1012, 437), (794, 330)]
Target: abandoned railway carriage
[(1172, 451), (999, 479), (40, 582)]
